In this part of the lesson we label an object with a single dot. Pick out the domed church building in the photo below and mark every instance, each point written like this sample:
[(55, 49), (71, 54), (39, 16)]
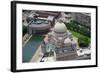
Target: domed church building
[(61, 43)]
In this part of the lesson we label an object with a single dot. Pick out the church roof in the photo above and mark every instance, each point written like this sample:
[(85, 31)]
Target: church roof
[(60, 28)]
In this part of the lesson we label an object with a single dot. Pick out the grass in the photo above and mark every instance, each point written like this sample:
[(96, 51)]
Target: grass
[(78, 35)]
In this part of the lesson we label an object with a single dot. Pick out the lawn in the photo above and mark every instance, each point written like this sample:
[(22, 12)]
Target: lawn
[(84, 41), (78, 35)]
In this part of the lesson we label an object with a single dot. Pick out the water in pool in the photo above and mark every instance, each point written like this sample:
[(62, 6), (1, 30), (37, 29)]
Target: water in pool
[(30, 48)]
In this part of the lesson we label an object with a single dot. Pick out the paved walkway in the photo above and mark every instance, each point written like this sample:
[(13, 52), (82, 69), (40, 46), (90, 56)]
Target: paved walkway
[(25, 39)]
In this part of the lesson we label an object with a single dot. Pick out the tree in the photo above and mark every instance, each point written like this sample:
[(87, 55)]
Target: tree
[(83, 42)]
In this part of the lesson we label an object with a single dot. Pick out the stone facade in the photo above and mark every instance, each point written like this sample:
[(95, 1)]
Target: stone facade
[(82, 18)]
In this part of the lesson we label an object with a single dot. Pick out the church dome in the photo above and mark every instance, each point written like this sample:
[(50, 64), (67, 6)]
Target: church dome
[(60, 28), (67, 42)]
